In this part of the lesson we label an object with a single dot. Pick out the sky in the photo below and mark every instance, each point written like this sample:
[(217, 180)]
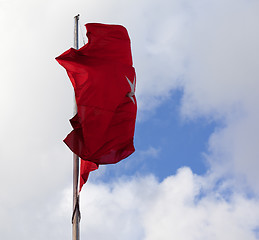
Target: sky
[(194, 174)]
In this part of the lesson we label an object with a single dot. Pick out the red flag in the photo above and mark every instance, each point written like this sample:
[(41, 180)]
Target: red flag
[(104, 82)]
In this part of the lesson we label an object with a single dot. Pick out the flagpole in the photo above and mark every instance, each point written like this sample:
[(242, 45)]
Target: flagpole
[(76, 213)]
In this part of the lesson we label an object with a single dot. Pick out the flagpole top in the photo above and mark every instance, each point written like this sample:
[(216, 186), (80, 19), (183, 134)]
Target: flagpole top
[(77, 16)]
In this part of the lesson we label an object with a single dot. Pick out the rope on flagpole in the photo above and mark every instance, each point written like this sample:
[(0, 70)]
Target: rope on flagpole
[(76, 208), (81, 31)]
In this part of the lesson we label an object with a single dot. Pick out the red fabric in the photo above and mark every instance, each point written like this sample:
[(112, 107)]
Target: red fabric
[(103, 77), (85, 168)]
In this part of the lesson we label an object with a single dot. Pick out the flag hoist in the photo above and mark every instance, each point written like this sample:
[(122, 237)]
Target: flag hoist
[(104, 81)]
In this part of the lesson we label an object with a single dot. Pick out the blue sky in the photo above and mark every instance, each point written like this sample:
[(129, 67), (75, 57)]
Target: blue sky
[(179, 143), (196, 162)]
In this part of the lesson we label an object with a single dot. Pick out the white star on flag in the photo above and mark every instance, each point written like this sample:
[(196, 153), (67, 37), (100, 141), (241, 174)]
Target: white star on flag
[(132, 88)]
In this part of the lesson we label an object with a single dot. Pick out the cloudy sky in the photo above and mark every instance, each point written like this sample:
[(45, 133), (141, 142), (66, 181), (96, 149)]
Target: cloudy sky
[(194, 174)]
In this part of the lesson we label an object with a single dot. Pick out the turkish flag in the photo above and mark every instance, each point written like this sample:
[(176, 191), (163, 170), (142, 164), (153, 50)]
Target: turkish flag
[(104, 81)]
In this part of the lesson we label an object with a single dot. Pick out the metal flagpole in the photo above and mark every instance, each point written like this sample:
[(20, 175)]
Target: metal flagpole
[(76, 213)]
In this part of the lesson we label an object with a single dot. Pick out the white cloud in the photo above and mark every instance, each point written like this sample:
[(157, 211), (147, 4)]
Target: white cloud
[(150, 152), (184, 206), (223, 69), (222, 80)]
